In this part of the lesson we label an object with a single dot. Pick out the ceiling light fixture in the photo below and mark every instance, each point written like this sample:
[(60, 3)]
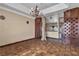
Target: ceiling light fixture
[(35, 11)]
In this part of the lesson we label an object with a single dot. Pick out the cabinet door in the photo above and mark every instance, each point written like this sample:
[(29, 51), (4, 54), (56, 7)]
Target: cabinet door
[(71, 31), (75, 31)]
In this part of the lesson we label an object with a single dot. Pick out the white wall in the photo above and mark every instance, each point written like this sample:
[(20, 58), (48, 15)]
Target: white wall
[(53, 19), (14, 28)]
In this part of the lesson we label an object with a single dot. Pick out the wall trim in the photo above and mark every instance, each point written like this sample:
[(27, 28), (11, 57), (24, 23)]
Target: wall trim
[(16, 42)]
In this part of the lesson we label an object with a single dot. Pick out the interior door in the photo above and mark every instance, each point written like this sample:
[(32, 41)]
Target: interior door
[(38, 25)]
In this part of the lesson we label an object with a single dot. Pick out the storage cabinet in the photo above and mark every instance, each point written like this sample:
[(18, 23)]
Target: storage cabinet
[(71, 26)]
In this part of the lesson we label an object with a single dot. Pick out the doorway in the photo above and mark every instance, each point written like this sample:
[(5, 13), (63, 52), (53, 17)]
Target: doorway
[(38, 26)]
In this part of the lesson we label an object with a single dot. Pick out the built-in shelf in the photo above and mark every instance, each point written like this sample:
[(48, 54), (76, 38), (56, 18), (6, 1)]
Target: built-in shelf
[(52, 26)]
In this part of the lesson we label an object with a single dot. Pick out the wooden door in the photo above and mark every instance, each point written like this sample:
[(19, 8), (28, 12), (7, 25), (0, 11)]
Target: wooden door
[(38, 25)]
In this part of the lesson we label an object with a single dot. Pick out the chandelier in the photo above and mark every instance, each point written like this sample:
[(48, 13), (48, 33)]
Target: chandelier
[(35, 11)]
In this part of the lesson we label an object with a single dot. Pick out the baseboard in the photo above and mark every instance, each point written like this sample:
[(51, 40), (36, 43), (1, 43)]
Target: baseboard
[(52, 38), (16, 42)]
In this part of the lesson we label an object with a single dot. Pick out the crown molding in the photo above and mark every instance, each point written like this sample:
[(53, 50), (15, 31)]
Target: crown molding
[(55, 8), (16, 12)]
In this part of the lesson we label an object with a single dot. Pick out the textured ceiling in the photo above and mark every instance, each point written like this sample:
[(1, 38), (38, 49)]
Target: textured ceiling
[(40, 5)]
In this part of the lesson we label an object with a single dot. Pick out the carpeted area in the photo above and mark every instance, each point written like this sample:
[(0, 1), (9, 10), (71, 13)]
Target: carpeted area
[(36, 47)]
